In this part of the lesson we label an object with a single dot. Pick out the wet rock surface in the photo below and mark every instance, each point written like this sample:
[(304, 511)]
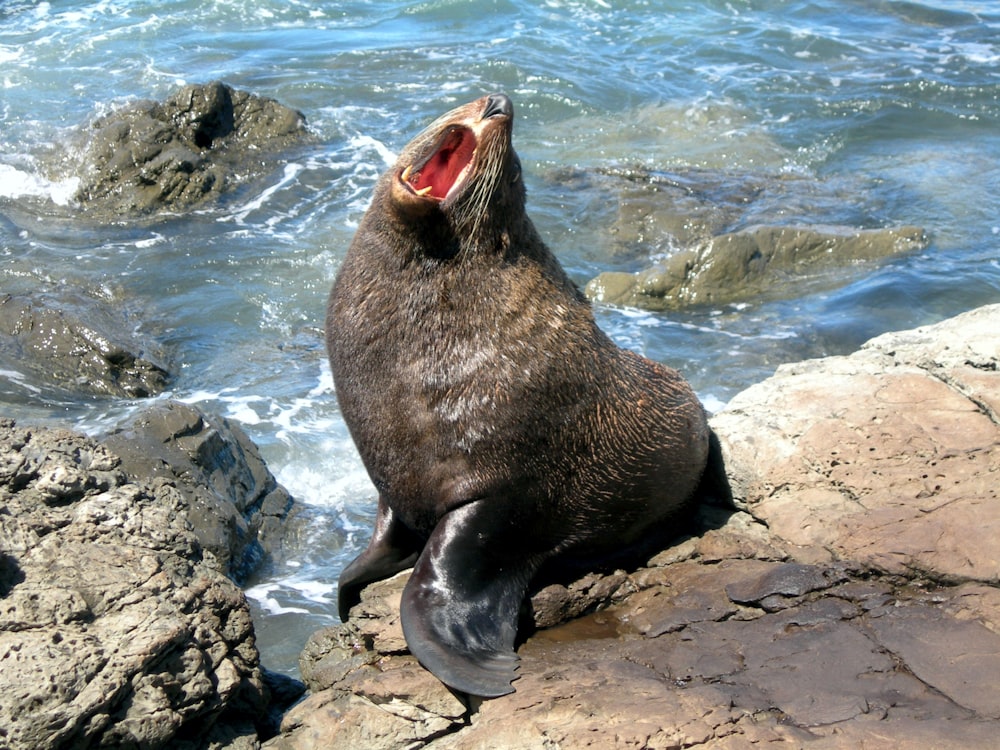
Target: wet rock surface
[(75, 344), (723, 236), (233, 503), (183, 153), (850, 599), (118, 626), (751, 264)]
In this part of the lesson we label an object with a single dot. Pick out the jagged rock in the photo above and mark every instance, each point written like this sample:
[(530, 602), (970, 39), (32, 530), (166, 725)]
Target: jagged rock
[(185, 152), (71, 342), (116, 630), (232, 501), (852, 601), (757, 263)]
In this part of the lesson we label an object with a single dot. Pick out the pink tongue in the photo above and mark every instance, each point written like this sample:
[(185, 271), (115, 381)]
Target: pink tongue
[(443, 168)]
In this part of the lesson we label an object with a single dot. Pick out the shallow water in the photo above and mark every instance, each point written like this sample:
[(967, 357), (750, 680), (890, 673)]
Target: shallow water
[(891, 107)]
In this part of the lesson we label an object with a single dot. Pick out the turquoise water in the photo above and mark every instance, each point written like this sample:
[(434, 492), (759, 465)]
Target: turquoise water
[(890, 108)]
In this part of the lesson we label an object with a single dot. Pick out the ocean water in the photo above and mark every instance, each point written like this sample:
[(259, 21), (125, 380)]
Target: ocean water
[(891, 109)]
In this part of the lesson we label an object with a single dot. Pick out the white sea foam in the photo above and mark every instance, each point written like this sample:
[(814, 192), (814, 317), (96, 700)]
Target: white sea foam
[(156, 239), (367, 143), (263, 595), (10, 54), (319, 464), (20, 379), (239, 215), (979, 54), (314, 591), (712, 403), (16, 183)]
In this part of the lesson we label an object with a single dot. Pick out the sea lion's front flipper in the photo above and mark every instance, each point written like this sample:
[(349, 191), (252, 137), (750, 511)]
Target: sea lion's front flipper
[(393, 547), (460, 607)]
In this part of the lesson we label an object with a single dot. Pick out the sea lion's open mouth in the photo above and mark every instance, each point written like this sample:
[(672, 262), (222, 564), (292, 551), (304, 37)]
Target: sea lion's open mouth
[(445, 168)]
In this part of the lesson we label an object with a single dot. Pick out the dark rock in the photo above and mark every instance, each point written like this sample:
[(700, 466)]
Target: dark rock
[(232, 501), (185, 152), (557, 603), (284, 692), (789, 580), (959, 659), (77, 344)]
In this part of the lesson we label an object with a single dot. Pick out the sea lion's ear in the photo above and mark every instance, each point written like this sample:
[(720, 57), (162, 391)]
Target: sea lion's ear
[(461, 605)]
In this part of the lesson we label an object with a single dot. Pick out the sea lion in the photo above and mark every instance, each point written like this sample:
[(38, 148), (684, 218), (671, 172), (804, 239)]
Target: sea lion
[(499, 424)]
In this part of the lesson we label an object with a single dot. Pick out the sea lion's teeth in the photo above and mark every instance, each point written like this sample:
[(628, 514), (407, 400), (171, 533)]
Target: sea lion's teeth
[(406, 173), (423, 191)]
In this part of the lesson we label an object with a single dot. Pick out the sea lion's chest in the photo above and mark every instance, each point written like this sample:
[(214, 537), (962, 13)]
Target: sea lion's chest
[(438, 378), (469, 364)]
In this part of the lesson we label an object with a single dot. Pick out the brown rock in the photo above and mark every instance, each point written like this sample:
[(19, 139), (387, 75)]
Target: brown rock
[(118, 624), (114, 629), (876, 457), (959, 659)]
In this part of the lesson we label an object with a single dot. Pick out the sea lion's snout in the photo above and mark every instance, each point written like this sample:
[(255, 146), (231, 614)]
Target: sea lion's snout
[(427, 178), (498, 105)]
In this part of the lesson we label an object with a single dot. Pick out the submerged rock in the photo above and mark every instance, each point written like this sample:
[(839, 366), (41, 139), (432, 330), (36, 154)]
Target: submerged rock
[(693, 236), (77, 344), (751, 264), (116, 630), (851, 600), (182, 153)]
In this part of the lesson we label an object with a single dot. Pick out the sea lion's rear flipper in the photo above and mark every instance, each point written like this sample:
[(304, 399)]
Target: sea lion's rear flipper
[(460, 607), (393, 547)]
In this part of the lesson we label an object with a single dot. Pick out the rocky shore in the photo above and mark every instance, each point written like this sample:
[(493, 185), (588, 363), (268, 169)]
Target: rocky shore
[(848, 598), (119, 626), (847, 594)]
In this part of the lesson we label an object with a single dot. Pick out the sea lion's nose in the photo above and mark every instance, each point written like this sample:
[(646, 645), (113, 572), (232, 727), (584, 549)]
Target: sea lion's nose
[(498, 104)]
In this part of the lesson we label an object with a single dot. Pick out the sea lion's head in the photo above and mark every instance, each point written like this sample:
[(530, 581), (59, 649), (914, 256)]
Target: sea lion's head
[(459, 181)]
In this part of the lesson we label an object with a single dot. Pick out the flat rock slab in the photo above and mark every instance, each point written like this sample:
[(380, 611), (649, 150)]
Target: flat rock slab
[(888, 457), (851, 600)]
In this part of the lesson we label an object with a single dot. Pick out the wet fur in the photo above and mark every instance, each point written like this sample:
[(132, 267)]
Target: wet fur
[(499, 424)]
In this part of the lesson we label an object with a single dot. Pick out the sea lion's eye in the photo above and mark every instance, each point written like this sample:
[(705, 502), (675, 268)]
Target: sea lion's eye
[(517, 174)]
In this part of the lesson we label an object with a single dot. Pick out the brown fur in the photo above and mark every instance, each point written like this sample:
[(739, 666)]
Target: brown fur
[(472, 376)]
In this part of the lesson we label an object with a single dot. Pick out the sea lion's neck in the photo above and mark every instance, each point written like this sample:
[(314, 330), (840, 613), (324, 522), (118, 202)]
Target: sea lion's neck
[(436, 240)]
